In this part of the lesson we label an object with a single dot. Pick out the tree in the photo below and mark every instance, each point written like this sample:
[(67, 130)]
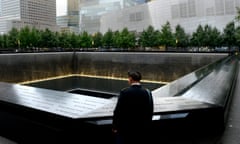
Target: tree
[(206, 41), (108, 39), (229, 38), (166, 36), (85, 40), (198, 37), (116, 37), (64, 41), (24, 37), (48, 39), (5, 41), (215, 38), (13, 37), (149, 37), (237, 35), (56, 39), (74, 41), (238, 28), (97, 40), (1, 42), (238, 14), (182, 39), (126, 39), (35, 37)]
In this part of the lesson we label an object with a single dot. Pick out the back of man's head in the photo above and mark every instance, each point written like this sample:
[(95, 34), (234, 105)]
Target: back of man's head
[(135, 75)]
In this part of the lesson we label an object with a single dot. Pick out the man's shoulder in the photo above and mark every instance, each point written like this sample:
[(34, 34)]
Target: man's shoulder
[(125, 89), (132, 88)]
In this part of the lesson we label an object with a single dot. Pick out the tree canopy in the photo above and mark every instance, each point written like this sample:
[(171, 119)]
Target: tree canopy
[(205, 36)]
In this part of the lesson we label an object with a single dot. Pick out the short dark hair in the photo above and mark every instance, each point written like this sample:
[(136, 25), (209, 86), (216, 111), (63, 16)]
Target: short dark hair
[(135, 75)]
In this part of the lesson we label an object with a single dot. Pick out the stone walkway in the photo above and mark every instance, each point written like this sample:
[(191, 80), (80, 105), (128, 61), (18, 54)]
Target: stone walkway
[(231, 135)]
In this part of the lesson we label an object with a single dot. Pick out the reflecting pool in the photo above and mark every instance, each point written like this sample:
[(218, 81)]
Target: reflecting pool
[(89, 85)]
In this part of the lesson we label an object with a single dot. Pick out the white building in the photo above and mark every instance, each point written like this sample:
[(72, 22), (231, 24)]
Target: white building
[(92, 10), (85, 15), (134, 18), (188, 13), (40, 14)]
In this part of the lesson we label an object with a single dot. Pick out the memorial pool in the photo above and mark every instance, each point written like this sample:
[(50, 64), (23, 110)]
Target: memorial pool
[(81, 84)]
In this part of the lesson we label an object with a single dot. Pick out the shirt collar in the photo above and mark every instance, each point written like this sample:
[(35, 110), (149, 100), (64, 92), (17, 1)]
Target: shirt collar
[(136, 83)]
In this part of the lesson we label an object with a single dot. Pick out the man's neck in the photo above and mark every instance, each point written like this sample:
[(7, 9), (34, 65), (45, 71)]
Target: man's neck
[(135, 83)]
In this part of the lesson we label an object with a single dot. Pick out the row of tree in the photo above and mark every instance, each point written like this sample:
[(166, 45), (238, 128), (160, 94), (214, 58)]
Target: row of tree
[(204, 36)]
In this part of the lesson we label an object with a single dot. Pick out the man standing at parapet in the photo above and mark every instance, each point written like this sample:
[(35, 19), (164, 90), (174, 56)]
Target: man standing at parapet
[(132, 117)]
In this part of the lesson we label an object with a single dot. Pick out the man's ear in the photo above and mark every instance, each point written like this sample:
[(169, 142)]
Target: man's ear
[(130, 80)]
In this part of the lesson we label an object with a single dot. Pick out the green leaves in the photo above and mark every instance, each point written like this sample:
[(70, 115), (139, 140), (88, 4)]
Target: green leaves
[(205, 36), (149, 37)]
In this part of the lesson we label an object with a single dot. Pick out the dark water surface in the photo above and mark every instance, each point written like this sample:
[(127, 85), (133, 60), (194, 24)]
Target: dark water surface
[(73, 83)]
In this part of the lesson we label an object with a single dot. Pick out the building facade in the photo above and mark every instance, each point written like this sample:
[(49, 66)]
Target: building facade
[(188, 13), (40, 14), (134, 18), (85, 15), (91, 12), (70, 21)]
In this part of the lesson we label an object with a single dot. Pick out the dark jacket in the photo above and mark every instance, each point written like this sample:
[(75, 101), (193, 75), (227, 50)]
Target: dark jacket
[(133, 111)]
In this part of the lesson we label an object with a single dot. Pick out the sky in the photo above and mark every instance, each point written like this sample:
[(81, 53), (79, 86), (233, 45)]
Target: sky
[(61, 7)]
